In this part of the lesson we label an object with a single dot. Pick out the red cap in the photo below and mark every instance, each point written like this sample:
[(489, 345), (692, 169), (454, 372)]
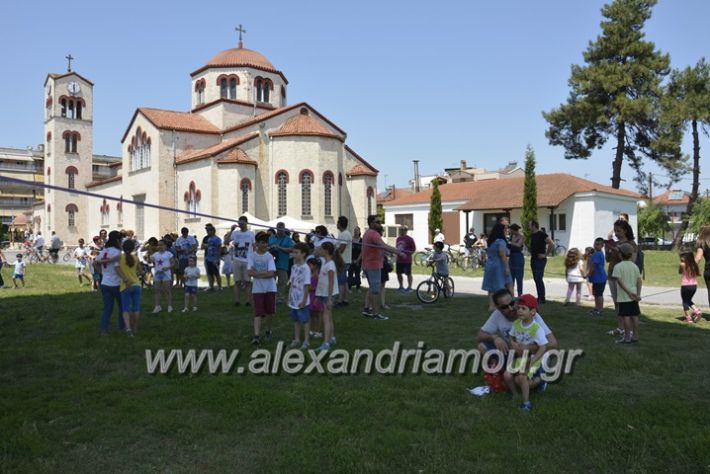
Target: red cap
[(528, 301)]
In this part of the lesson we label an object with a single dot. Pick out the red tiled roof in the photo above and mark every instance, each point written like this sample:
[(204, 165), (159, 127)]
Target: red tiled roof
[(195, 155), (664, 199), (392, 194), (236, 57), (304, 124), (237, 155), (552, 189), (361, 170), (267, 115), (172, 120), (104, 181), (20, 219), (361, 159)]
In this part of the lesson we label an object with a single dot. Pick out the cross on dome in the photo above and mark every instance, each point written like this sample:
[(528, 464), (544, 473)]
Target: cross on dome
[(241, 30), (69, 58)]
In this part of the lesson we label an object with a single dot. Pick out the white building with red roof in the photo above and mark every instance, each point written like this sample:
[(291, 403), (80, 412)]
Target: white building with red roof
[(241, 148), (572, 209)]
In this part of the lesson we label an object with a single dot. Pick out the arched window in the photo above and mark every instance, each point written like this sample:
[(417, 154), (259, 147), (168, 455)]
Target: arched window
[(140, 150), (306, 180), (71, 214), (200, 91), (328, 179), (233, 88), (192, 199), (71, 172), (282, 182), (63, 103), (245, 188), (71, 140), (223, 89), (263, 88), (370, 198), (104, 212), (71, 107)]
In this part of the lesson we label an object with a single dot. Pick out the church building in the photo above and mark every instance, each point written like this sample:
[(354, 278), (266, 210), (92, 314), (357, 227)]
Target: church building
[(240, 149)]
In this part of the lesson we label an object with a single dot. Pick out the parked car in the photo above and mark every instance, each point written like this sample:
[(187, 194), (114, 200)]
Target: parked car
[(655, 243), (5, 244)]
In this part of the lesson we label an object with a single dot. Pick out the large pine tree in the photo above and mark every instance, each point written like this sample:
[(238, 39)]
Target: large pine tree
[(686, 103), (615, 94), (529, 211), (435, 219)]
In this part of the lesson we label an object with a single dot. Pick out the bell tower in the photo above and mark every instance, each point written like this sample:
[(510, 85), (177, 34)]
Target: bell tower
[(68, 128)]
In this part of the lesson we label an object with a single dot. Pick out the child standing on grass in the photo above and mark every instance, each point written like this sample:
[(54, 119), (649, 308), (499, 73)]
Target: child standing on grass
[(128, 266), (163, 263), (298, 298), (261, 267), (327, 290), (526, 337), (574, 275), (316, 307), (19, 272), (192, 276), (628, 280), (81, 259), (596, 274), (227, 265), (689, 271), (588, 252)]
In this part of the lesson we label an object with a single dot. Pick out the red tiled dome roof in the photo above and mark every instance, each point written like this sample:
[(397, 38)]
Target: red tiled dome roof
[(304, 124), (241, 57)]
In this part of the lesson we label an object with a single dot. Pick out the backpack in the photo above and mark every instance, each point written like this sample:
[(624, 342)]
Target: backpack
[(640, 262)]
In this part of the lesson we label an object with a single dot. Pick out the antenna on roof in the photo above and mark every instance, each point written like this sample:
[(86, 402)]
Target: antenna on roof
[(240, 30)]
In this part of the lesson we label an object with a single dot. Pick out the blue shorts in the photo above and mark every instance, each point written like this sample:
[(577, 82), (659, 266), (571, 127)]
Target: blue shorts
[(343, 276), (17, 276), (164, 275), (131, 299), (374, 281), (300, 315), (324, 299), (190, 290)]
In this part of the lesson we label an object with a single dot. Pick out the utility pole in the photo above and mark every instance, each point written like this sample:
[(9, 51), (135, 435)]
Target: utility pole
[(650, 187)]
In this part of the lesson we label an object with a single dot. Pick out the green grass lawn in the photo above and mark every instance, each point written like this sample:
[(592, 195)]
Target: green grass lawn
[(661, 269), (74, 402)]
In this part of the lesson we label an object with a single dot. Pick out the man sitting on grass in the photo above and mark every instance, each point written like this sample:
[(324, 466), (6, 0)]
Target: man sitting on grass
[(495, 333)]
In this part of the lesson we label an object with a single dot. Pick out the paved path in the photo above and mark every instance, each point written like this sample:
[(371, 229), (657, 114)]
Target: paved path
[(556, 289)]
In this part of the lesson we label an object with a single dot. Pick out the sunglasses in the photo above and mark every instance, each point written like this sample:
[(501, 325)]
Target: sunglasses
[(510, 305)]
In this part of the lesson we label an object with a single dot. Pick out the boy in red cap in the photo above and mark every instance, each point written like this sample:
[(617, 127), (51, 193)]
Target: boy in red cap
[(527, 337)]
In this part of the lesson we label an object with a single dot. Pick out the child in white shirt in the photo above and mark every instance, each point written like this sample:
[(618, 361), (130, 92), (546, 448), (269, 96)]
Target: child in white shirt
[(19, 272), (192, 276)]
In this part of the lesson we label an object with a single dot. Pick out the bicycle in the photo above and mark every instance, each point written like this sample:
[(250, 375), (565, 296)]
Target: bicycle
[(429, 290), (476, 258), (68, 255), (36, 256), (560, 249)]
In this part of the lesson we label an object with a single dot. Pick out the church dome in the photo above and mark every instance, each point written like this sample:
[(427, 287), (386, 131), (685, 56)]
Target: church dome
[(241, 57)]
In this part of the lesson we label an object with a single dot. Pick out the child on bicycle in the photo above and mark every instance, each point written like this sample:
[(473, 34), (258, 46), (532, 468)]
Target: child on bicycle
[(440, 261)]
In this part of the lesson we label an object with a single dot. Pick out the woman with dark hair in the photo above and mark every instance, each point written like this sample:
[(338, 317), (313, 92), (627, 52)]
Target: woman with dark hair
[(624, 234), (702, 251), (517, 259), (496, 274), (111, 281)]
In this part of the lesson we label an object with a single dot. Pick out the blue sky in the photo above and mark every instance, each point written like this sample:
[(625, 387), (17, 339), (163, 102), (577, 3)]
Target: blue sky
[(435, 81)]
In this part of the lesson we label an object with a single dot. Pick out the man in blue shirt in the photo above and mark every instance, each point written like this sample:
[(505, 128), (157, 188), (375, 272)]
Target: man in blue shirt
[(281, 246), (212, 245)]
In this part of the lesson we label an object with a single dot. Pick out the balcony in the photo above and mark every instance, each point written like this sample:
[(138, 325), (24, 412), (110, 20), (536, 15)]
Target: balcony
[(15, 202), (22, 167)]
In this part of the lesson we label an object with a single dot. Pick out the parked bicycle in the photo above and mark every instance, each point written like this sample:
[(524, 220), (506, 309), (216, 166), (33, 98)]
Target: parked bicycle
[(430, 289), (560, 249), (68, 255), (475, 258)]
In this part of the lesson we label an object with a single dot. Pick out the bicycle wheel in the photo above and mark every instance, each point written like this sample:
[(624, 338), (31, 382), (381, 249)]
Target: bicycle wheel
[(464, 262), (449, 289), (428, 291), (66, 257), (560, 250)]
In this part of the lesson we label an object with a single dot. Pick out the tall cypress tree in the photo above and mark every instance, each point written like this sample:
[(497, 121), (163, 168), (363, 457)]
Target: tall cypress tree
[(686, 104), (435, 220), (529, 211), (615, 94)]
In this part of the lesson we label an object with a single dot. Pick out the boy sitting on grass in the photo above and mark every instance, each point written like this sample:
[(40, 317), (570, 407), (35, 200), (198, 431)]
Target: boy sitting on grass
[(528, 343)]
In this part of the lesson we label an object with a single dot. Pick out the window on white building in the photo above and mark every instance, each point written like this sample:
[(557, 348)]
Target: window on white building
[(282, 182), (306, 182)]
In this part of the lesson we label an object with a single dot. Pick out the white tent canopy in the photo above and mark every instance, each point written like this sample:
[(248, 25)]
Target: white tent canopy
[(292, 223)]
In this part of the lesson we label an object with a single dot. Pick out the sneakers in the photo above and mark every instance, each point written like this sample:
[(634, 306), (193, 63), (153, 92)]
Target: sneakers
[(401, 290), (368, 312), (380, 317), (595, 312), (129, 333), (315, 334), (527, 406), (157, 310), (542, 387), (255, 341), (332, 341), (194, 309), (268, 336), (616, 332), (294, 344), (323, 347), (185, 310), (305, 346), (408, 290), (170, 309)]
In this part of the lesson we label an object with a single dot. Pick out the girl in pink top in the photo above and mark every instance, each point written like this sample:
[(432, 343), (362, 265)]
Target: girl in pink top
[(689, 270)]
